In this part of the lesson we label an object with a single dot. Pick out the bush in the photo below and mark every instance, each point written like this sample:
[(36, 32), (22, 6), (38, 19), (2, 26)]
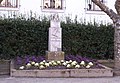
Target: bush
[(19, 37), (94, 41)]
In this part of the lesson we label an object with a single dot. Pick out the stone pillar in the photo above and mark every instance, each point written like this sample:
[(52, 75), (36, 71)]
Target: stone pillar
[(55, 40)]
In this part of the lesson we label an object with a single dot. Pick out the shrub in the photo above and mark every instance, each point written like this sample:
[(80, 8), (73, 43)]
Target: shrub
[(19, 37)]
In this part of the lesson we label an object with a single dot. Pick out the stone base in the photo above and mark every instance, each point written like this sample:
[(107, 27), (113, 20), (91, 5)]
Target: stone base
[(55, 73), (54, 55)]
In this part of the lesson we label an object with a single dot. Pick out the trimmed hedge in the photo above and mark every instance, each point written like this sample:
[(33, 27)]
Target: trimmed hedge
[(96, 41), (19, 37)]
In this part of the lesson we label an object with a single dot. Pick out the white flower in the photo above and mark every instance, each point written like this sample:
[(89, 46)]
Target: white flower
[(41, 63), (54, 63), (28, 65), (36, 64), (68, 65), (50, 63), (82, 63), (47, 64), (90, 63), (70, 61), (41, 67), (22, 67), (77, 66), (64, 63), (32, 62), (67, 62), (58, 62), (88, 66), (73, 63)]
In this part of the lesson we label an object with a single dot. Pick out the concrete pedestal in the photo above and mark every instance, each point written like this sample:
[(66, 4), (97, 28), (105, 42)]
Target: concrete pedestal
[(58, 55)]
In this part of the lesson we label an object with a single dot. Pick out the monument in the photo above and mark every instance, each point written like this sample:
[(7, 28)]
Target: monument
[(55, 40), (54, 7)]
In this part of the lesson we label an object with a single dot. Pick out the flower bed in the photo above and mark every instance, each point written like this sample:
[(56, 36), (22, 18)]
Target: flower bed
[(70, 62), (72, 66)]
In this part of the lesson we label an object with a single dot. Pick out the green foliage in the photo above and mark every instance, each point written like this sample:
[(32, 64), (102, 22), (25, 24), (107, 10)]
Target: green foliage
[(89, 40), (19, 37)]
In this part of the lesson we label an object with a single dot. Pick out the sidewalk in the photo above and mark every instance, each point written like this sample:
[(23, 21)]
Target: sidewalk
[(8, 79)]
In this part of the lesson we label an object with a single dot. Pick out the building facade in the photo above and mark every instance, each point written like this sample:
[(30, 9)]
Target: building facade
[(82, 10)]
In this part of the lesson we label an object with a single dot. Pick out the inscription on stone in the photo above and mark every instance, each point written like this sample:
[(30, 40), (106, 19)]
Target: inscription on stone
[(55, 32)]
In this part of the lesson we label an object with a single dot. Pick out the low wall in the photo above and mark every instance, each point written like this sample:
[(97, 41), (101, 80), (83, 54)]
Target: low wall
[(4, 67), (103, 72)]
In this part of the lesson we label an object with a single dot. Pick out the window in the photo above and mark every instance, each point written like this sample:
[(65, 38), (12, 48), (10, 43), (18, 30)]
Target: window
[(90, 6), (52, 4), (9, 3)]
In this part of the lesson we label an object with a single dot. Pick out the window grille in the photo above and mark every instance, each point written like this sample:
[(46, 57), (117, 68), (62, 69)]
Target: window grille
[(52, 4), (93, 7), (9, 3)]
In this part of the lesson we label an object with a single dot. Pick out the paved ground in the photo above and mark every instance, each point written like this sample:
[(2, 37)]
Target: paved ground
[(7, 79)]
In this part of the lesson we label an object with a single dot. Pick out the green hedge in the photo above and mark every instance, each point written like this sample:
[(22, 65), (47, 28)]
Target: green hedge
[(94, 41), (19, 37)]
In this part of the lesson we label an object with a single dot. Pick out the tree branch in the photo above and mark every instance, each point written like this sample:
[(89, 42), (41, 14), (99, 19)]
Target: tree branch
[(108, 11), (117, 6)]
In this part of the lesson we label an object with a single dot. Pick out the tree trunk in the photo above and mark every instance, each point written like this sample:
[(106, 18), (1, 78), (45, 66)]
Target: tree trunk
[(117, 45), (117, 6), (116, 20), (117, 36)]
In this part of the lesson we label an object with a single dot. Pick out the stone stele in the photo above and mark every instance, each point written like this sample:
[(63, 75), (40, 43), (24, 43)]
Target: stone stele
[(55, 39)]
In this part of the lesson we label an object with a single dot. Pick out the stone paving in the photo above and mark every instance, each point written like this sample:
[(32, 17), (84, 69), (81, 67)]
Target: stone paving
[(8, 79)]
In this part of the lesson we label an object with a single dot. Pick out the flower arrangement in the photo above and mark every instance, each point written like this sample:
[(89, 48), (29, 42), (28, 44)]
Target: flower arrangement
[(70, 62)]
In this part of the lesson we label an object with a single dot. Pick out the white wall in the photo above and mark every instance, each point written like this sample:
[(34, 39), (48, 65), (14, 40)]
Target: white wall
[(73, 8)]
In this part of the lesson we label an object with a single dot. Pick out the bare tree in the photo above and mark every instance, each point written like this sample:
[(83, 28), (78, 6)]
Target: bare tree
[(116, 20)]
